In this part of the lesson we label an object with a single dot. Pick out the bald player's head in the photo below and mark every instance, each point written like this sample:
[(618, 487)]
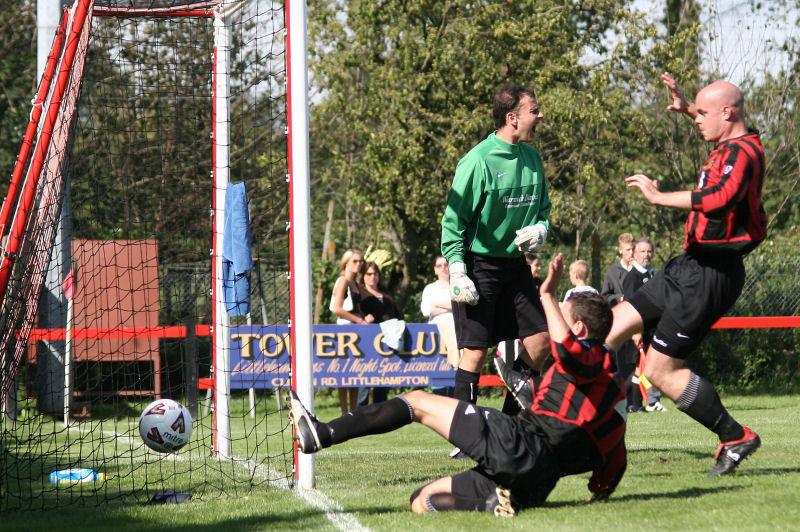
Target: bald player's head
[(720, 111), (726, 94)]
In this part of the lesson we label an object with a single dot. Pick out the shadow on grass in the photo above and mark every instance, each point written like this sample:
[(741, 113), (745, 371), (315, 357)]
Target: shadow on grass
[(678, 494), (667, 451), (764, 471)]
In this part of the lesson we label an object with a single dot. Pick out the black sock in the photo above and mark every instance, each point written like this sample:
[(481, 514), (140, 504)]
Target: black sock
[(466, 388), (446, 502), (701, 402), (372, 419)]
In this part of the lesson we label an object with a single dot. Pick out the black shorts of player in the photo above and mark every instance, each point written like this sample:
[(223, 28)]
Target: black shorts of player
[(508, 306), (684, 300), (510, 452)]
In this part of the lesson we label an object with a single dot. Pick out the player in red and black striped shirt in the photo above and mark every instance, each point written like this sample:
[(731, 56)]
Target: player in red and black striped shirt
[(726, 221), (574, 424)]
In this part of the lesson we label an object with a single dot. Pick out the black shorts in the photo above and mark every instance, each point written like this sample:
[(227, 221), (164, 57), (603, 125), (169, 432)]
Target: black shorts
[(510, 453), (684, 300), (508, 306)]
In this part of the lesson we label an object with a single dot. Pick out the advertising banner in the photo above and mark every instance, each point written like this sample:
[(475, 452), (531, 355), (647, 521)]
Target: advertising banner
[(344, 356)]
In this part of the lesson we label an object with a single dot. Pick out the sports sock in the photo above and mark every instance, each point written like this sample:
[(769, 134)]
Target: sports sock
[(701, 402), (466, 387), (445, 502), (372, 419)]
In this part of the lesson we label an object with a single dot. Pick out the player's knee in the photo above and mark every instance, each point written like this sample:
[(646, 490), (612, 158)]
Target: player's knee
[(660, 369), (419, 499), (627, 322), (415, 397)]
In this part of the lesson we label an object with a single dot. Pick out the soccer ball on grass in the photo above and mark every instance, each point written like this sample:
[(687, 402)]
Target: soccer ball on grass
[(165, 425)]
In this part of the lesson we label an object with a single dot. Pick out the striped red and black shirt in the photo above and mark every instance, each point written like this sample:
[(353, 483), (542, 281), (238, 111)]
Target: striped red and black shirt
[(579, 405), (727, 213)]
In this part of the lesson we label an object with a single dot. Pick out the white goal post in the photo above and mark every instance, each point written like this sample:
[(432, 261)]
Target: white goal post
[(300, 221)]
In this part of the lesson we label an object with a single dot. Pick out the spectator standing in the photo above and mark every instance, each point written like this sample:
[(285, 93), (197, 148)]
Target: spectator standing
[(612, 291), (639, 274), (578, 276), (612, 281), (535, 264), (436, 305), (346, 305), (375, 301)]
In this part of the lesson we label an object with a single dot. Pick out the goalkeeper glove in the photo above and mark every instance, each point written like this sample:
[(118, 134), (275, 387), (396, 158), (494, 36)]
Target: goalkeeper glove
[(462, 289), (531, 238)]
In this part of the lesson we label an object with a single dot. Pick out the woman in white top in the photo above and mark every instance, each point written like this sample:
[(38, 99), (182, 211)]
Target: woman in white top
[(346, 305), (435, 304)]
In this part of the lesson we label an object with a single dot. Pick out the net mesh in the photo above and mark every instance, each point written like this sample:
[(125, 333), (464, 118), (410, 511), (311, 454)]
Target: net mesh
[(124, 201)]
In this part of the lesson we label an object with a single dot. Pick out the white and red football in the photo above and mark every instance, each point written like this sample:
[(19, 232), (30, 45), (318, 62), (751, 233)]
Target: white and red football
[(165, 425)]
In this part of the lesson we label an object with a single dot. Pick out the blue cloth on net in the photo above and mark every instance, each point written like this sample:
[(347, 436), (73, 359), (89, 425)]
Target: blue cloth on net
[(237, 257)]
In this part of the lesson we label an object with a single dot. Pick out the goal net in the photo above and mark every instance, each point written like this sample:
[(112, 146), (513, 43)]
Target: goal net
[(133, 268)]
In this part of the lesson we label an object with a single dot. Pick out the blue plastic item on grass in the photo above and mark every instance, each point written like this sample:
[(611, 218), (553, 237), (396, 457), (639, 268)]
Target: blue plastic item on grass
[(75, 476)]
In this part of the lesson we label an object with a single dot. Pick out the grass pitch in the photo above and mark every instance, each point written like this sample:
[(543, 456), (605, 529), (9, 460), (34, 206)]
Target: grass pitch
[(367, 482)]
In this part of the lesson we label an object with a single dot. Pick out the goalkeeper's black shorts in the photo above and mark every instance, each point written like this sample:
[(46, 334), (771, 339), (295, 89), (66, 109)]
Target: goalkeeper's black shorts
[(508, 306)]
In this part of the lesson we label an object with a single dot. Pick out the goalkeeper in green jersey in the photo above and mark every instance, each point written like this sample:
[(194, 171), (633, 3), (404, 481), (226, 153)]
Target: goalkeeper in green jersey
[(497, 210)]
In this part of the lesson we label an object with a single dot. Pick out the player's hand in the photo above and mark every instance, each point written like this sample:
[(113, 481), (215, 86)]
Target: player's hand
[(531, 238), (554, 271), (649, 187), (679, 103), (462, 289)]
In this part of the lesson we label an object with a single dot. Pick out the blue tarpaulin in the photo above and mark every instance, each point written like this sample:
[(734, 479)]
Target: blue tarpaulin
[(237, 257)]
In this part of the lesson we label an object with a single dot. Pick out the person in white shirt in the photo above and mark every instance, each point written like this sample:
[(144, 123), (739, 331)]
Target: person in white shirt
[(437, 307), (578, 276)]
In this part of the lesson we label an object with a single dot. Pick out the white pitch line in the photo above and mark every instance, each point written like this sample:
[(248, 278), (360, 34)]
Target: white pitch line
[(342, 520), (440, 452), (331, 509), (339, 518)]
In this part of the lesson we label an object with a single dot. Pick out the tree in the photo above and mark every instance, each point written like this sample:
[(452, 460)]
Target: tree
[(17, 77)]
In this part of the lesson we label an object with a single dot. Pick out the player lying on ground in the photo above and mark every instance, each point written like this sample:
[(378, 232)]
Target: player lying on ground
[(571, 424)]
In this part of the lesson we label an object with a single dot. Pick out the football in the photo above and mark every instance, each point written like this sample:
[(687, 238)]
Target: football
[(165, 425)]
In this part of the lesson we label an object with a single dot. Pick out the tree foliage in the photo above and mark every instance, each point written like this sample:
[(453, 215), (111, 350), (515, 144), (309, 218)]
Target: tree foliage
[(406, 90), (17, 77)]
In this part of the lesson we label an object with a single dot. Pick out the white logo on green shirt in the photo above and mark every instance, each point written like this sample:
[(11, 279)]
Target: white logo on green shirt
[(523, 200)]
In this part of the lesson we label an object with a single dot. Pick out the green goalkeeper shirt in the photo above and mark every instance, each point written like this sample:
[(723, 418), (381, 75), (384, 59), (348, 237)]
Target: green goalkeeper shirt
[(498, 188)]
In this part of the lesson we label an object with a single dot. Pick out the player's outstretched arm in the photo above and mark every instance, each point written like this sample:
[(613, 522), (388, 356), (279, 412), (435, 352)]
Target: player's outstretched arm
[(679, 102), (556, 325), (681, 199)]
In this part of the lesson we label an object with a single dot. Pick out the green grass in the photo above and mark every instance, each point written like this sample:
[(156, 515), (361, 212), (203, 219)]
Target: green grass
[(370, 479)]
